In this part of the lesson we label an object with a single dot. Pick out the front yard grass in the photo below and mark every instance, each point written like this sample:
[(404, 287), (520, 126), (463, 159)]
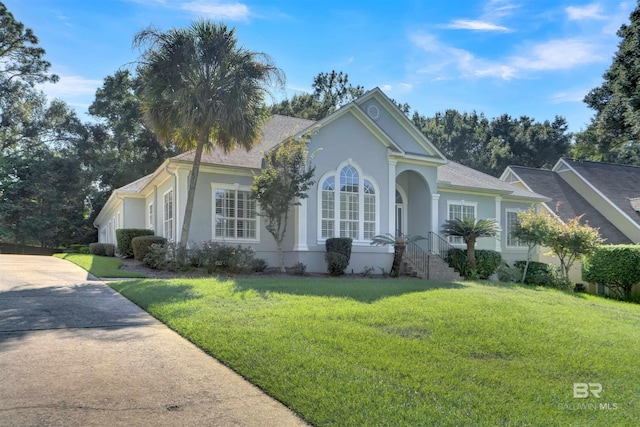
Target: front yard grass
[(368, 352), (100, 266)]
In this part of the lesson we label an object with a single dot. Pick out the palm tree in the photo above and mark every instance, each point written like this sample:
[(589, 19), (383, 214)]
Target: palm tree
[(200, 89), (399, 244), (471, 230)]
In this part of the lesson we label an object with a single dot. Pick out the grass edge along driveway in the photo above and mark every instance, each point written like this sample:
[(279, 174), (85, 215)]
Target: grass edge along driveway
[(100, 266), (402, 352)]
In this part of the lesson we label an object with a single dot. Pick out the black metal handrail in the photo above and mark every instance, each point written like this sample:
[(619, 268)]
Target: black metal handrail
[(418, 257), (438, 245)]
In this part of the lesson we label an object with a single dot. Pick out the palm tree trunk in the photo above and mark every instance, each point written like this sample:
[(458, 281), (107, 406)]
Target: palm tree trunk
[(398, 253), (191, 194), (471, 253)]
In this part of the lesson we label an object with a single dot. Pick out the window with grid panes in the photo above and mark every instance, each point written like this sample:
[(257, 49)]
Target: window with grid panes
[(460, 211), (235, 215)]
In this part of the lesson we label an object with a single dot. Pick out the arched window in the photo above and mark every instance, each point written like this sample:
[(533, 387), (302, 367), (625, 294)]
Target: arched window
[(355, 201)]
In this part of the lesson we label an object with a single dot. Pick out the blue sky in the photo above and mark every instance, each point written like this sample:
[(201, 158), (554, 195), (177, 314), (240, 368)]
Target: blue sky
[(521, 57)]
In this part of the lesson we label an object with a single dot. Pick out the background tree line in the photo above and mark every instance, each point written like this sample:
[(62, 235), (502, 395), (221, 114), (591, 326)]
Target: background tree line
[(57, 171)]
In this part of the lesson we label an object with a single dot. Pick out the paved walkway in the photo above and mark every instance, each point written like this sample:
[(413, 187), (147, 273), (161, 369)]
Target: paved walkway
[(73, 352)]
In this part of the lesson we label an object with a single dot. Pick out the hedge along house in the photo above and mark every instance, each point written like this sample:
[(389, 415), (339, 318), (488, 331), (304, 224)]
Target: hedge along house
[(375, 174)]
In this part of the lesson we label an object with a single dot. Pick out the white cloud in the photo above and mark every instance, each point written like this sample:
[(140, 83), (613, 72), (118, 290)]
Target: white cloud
[(447, 61), (216, 10), (397, 88), (70, 86), (558, 55), (469, 24), (569, 96), (496, 9), (587, 12)]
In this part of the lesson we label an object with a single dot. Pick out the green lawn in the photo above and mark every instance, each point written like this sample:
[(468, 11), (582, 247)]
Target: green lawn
[(410, 352), (99, 266)]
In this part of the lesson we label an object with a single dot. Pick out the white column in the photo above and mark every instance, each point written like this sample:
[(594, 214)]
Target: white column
[(434, 213), (301, 226), (499, 220), (392, 196), (435, 223)]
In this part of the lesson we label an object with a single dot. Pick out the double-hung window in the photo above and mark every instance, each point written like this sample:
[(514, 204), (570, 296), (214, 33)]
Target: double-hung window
[(235, 215), (167, 219), (460, 210), (511, 223), (150, 221)]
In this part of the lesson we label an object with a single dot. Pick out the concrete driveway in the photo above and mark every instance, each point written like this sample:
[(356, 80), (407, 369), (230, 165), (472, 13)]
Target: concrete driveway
[(73, 352)]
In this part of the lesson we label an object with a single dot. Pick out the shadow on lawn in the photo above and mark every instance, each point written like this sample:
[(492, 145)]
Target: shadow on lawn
[(365, 290)]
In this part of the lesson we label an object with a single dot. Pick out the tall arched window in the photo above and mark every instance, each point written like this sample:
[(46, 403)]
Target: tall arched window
[(349, 209)]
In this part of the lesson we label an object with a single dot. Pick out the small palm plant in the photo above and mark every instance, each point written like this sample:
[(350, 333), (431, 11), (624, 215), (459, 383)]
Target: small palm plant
[(471, 230), (399, 243)]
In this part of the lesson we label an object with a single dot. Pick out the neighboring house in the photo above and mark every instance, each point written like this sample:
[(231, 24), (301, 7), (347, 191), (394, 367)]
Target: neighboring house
[(606, 196), (375, 174)]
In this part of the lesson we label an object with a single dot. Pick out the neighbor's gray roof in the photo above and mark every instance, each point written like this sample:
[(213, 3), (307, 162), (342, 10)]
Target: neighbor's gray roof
[(275, 130), (566, 202), (462, 176), (618, 183)]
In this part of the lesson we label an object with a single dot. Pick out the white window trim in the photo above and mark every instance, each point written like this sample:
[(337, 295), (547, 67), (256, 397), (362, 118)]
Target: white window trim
[(336, 203), (150, 217), (461, 203), (237, 187), (173, 214), (507, 211)]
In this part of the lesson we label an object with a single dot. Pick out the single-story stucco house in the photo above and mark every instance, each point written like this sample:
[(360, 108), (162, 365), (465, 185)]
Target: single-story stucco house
[(375, 174)]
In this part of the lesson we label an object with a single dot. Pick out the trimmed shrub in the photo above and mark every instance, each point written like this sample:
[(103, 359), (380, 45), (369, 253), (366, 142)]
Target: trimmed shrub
[(341, 245), (299, 269), (102, 249), (140, 245), (77, 248), (336, 263), (542, 274), (487, 262), (259, 265), (156, 256), (615, 266), (124, 237), (338, 254)]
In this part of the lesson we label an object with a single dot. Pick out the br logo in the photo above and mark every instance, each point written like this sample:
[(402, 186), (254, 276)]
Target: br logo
[(582, 390)]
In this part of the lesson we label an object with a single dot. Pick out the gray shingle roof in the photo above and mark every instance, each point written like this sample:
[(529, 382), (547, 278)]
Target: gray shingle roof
[(566, 202), (136, 185), (275, 130), (618, 183), (462, 176)]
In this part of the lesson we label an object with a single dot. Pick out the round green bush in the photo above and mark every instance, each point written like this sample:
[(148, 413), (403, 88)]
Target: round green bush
[(140, 245)]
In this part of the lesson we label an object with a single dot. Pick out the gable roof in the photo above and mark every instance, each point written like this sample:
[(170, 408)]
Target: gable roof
[(274, 131), (618, 183), (567, 203), (456, 175)]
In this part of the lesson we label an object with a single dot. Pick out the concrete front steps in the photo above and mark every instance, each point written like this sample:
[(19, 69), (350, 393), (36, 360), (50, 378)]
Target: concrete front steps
[(436, 269)]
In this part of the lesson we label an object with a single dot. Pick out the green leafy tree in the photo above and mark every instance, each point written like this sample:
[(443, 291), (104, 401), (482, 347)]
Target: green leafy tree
[(285, 179), (570, 241), (199, 88), (22, 58), (128, 149), (616, 101), (471, 229), (531, 229), (330, 92), (492, 145), (399, 243)]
